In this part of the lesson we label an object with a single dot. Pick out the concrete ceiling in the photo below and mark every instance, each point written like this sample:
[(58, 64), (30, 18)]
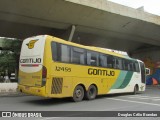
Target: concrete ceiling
[(94, 26)]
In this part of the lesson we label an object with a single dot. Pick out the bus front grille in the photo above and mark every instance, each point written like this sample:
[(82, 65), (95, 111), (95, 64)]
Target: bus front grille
[(57, 85)]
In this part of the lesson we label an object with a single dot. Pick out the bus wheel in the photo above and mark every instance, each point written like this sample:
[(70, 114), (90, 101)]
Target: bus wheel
[(78, 93), (135, 90), (91, 93)]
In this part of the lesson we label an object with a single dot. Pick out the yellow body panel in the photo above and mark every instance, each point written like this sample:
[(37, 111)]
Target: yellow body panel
[(39, 91), (28, 79)]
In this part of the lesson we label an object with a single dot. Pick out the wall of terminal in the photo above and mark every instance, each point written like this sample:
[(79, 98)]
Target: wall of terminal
[(151, 58)]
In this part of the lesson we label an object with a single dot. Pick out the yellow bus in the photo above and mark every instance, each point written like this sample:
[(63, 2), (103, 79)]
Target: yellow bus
[(52, 67)]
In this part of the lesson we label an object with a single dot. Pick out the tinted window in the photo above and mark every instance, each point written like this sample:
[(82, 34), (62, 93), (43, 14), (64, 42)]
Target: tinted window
[(103, 60), (118, 63), (54, 51), (131, 66), (110, 61), (68, 54), (137, 67), (60, 52), (92, 58), (78, 55), (65, 53), (126, 64)]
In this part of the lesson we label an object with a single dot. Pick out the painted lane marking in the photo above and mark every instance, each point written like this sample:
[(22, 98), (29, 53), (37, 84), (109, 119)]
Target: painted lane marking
[(134, 101), (148, 96), (156, 99), (141, 96)]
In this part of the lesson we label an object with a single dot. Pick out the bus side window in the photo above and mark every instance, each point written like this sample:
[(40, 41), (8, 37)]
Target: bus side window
[(65, 53), (54, 51), (92, 58), (103, 60), (125, 65), (78, 55), (110, 61), (131, 66), (118, 63), (114, 62), (137, 67), (134, 67)]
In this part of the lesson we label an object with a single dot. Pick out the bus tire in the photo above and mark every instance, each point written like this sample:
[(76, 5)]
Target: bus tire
[(78, 93), (91, 92), (135, 90)]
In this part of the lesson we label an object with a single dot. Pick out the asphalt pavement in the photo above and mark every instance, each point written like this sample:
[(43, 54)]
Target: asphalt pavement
[(147, 101)]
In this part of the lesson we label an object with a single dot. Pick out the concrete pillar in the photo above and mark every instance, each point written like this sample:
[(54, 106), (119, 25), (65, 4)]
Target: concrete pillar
[(72, 32), (69, 33)]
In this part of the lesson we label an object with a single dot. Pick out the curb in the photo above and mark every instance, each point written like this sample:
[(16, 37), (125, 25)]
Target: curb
[(8, 89), (153, 87), (13, 94)]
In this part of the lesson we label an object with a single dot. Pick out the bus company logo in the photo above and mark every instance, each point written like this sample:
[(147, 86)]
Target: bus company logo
[(31, 44), (6, 114)]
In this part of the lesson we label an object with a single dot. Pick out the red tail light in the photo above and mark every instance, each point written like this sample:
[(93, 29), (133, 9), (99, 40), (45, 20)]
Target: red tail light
[(44, 72)]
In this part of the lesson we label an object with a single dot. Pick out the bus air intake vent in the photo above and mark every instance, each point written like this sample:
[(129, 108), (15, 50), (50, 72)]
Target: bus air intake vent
[(57, 84)]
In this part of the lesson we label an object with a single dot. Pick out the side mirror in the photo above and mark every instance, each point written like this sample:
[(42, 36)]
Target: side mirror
[(147, 71)]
